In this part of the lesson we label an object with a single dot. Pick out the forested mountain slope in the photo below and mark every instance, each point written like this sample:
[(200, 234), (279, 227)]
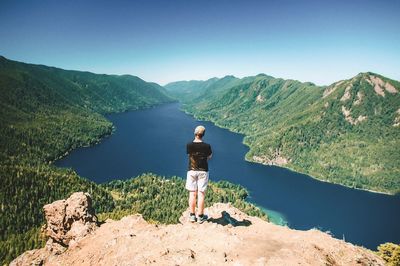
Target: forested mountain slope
[(346, 133), (50, 108), (44, 112)]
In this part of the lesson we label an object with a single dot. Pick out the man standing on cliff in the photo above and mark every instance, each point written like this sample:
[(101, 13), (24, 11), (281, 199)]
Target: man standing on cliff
[(197, 176)]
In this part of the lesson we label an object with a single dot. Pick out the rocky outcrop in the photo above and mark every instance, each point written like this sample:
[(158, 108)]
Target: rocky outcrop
[(229, 237), (70, 220), (329, 90), (397, 119), (67, 222), (350, 119), (380, 86), (276, 158)]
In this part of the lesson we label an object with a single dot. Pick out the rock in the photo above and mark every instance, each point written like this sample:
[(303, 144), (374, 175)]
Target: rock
[(67, 222), (71, 219), (229, 236), (31, 257), (79, 207), (53, 247), (54, 214)]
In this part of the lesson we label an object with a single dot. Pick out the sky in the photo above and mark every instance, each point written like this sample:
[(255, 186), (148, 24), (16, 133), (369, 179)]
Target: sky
[(165, 40)]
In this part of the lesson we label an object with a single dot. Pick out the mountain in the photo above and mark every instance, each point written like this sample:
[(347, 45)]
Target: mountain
[(71, 99), (44, 113), (229, 237), (50, 86), (346, 133), (194, 88)]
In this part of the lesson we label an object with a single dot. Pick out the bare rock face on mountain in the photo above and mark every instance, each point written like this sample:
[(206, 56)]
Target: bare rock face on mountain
[(229, 237), (68, 221)]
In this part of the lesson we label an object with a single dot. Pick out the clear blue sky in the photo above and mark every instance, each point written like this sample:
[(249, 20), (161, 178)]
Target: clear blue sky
[(162, 41)]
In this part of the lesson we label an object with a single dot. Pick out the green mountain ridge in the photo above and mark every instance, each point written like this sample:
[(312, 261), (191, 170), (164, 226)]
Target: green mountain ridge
[(47, 111), (346, 133)]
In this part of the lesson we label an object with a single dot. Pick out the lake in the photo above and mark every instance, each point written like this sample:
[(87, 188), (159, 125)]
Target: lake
[(154, 140)]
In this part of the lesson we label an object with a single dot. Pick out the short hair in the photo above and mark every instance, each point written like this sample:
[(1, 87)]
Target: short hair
[(199, 131)]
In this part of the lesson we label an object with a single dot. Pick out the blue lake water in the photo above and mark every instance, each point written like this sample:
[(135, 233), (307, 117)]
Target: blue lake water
[(154, 140)]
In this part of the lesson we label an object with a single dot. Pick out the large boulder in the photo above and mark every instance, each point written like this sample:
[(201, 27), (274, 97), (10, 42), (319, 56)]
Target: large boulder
[(70, 220), (67, 222)]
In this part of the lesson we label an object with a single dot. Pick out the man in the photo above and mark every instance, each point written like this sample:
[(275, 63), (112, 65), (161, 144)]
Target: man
[(197, 176)]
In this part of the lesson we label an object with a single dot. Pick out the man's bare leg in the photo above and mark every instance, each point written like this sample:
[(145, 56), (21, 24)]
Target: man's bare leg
[(192, 201), (200, 203)]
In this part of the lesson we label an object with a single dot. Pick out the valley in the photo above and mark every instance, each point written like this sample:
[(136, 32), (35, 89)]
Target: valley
[(346, 133), (47, 113)]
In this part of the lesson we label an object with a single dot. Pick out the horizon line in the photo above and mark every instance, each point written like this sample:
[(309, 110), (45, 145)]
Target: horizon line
[(189, 80)]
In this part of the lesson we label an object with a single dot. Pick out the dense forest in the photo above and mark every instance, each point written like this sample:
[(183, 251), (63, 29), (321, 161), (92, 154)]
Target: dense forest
[(163, 200), (346, 133), (158, 199), (45, 112)]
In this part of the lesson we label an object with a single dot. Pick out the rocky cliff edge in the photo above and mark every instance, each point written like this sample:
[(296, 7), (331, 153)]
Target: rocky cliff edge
[(230, 237)]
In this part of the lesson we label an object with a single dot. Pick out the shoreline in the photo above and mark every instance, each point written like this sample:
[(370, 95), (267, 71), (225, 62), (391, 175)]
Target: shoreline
[(286, 167), (322, 180), (103, 136), (267, 212), (66, 153), (249, 198)]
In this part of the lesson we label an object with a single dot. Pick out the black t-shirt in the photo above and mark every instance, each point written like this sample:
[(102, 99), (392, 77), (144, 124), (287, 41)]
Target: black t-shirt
[(198, 154)]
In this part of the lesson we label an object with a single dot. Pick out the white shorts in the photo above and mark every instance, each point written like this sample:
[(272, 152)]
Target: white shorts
[(196, 180)]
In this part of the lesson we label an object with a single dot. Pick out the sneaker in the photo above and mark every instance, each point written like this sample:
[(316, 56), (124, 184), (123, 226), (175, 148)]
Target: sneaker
[(202, 219), (192, 218)]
